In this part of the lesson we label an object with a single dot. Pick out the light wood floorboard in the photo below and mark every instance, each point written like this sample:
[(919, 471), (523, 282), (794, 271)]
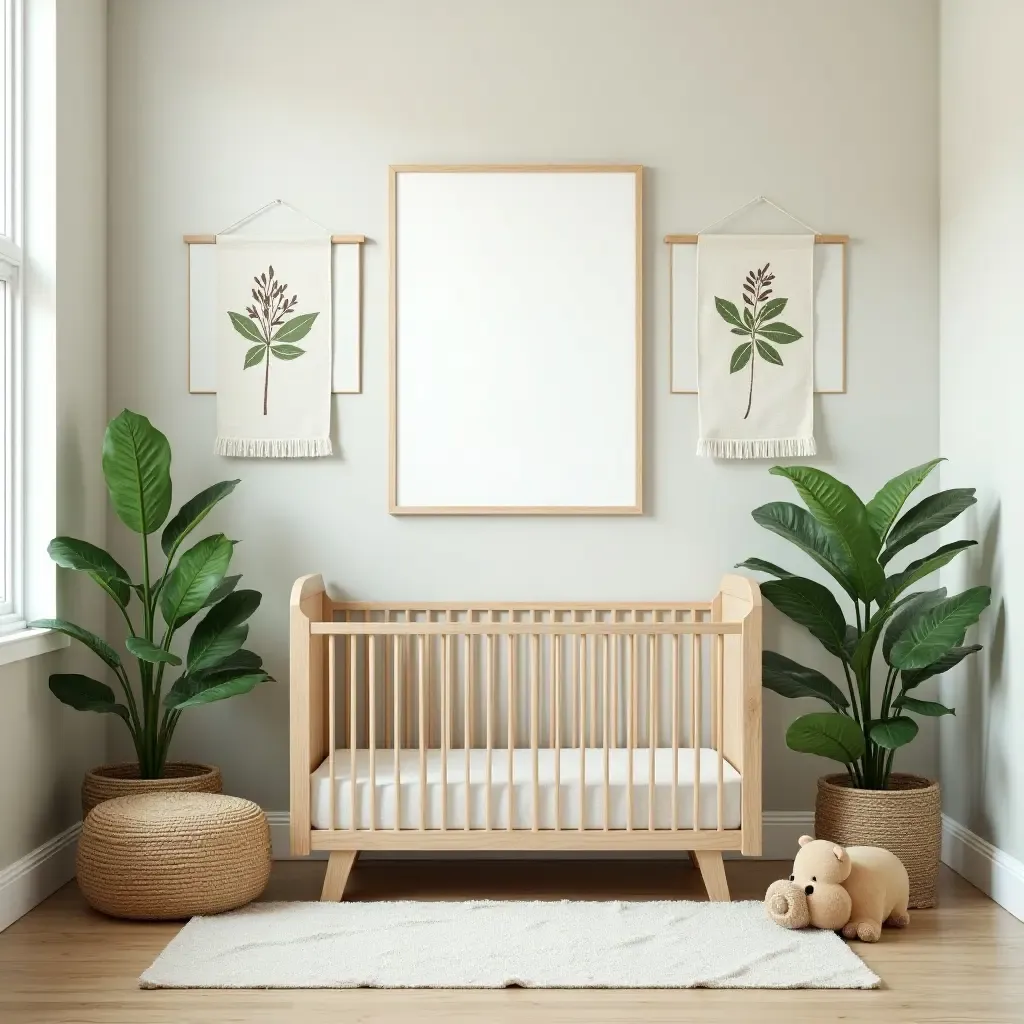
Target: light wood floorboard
[(961, 963)]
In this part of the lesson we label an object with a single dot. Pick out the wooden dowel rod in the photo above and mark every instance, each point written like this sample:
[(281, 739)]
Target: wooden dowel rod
[(511, 720), (558, 731), (396, 684), (468, 676), (631, 732), (331, 711), (606, 720), (652, 703), (581, 643), (335, 239), (675, 733), (353, 647), (371, 683), (535, 726), (488, 726), (695, 726), (421, 673), (445, 682), (818, 239)]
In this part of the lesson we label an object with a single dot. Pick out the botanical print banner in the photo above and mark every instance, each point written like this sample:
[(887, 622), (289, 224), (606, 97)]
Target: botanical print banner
[(755, 322), (273, 347)]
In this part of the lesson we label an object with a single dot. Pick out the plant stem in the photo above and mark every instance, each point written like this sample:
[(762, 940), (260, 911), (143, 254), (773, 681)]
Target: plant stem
[(266, 380), (753, 356), (853, 692)]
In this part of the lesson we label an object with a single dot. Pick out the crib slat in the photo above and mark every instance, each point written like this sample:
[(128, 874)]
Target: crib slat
[(421, 673), (592, 669), (372, 727), (633, 670), (388, 680), (719, 723), (558, 730), (606, 722), (445, 680), (675, 728), (695, 725), (332, 823), (535, 724), (468, 688), (615, 687), (631, 733), (574, 654), (652, 728), (549, 677), (353, 651), (489, 724), (581, 642), (511, 718), (397, 732), (406, 670)]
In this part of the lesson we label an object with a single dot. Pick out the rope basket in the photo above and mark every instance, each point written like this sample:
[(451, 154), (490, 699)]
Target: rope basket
[(113, 780), (905, 819), (173, 855)]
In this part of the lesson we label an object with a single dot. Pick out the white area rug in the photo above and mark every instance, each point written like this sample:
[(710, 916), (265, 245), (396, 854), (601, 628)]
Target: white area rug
[(496, 944)]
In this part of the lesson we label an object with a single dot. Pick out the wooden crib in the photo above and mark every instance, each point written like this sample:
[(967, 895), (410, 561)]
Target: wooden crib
[(426, 726)]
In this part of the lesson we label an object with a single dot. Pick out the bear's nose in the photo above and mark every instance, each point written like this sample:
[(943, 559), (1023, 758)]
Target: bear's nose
[(808, 889)]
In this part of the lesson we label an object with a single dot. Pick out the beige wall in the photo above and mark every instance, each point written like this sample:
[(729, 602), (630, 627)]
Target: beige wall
[(216, 108), (982, 203), (44, 747)]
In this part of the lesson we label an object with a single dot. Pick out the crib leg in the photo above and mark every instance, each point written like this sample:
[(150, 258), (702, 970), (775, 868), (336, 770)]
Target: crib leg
[(693, 860), (339, 867), (712, 870)]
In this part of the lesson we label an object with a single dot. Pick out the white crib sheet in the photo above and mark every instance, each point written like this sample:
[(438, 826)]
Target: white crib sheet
[(522, 789)]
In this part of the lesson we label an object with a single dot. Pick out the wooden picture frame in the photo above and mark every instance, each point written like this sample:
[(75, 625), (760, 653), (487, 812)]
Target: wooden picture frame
[(461, 201), (201, 379), (833, 343)]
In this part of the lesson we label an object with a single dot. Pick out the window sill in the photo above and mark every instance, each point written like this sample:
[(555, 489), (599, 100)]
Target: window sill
[(30, 643)]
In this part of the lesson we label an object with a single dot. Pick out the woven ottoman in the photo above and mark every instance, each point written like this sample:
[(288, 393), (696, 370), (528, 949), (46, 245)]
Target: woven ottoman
[(173, 855)]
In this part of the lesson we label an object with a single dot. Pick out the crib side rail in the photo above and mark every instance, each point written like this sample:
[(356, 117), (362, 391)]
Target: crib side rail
[(739, 602), (308, 712)]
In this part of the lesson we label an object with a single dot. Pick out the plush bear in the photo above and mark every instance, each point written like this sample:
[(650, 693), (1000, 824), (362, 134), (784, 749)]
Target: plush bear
[(854, 890)]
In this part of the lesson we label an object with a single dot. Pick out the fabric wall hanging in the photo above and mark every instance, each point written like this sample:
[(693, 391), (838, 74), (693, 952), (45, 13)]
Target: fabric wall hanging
[(273, 345), (755, 324)]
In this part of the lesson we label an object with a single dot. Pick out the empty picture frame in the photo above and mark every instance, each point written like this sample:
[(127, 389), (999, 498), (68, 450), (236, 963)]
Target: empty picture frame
[(346, 327), (829, 314), (515, 339)]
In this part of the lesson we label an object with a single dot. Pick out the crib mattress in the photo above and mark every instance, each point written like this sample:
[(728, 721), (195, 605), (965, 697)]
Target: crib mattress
[(523, 788)]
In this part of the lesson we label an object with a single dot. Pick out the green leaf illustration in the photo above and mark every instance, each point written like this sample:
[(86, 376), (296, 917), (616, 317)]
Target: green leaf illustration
[(287, 351), (296, 328), (728, 312), (748, 319), (740, 357), (246, 328), (771, 310), (767, 353), (781, 334), (254, 356)]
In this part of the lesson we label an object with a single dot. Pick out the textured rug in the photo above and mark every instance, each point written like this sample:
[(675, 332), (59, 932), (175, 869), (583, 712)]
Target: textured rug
[(497, 944)]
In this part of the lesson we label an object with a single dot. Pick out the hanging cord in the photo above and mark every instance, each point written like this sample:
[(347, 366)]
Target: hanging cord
[(752, 202), (268, 206)]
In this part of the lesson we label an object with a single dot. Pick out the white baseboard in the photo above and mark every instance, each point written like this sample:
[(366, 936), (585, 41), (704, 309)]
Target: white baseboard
[(39, 874), (781, 831), (985, 866)]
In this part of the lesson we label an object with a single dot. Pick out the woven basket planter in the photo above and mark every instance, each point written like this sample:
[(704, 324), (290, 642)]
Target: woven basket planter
[(905, 819), (113, 780), (166, 856)]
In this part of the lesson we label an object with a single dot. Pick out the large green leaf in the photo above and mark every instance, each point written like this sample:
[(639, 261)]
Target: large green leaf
[(219, 632), (225, 587), (768, 354), (917, 570), (799, 527), (85, 694), (827, 734), (949, 660), (760, 565), (780, 333), (740, 357), (915, 606), (287, 351), (936, 632), (80, 555), (931, 708), (295, 329), (885, 506), (791, 679), (771, 309), (728, 312), (254, 356), (247, 327), (864, 649), (927, 516), (189, 692), (146, 650), (193, 512), (192, 580), (812, 606), (241, 662), (91, 640), (842, 513), (137, 468), (894, 732)]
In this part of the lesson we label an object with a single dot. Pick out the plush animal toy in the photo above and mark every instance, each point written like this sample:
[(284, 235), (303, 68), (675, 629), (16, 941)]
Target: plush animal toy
[(855, 890)]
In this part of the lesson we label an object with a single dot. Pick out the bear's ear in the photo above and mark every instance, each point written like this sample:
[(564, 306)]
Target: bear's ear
[(804, 840), (840, 853)]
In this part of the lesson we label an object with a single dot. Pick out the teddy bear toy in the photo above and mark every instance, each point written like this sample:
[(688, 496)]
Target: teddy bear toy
[(853, 889)]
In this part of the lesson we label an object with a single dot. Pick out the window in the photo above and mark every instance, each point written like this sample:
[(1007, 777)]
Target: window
[(11, 583)]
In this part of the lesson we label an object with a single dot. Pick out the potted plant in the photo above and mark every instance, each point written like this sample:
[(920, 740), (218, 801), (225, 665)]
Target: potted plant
[(193, 581), (920, 633)]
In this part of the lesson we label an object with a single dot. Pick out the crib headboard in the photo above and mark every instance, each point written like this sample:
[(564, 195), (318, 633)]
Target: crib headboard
[(538, 646)]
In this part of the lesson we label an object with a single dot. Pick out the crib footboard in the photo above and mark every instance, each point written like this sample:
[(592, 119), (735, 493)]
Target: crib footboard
[(526, 727)]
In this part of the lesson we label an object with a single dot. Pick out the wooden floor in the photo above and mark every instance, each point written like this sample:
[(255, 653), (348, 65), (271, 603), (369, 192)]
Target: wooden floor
[(962, 962)]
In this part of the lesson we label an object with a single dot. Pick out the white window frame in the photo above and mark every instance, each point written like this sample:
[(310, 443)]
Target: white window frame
[(12, 609)]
